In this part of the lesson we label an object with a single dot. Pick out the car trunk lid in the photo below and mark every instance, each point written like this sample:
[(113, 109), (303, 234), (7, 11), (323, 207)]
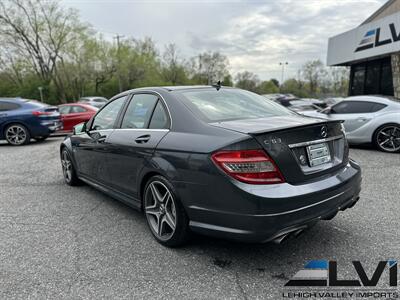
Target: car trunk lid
[(303, 148)]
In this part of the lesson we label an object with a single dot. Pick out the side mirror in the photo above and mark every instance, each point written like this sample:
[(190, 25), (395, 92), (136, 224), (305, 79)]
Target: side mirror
[(326, 111), (80, 128)]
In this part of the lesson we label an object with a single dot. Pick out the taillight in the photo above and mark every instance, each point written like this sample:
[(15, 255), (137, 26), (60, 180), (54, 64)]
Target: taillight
[(250, 166), (39, 113)]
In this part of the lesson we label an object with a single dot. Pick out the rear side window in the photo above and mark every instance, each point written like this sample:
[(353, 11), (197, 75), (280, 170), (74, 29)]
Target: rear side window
[(77, 109), (139, 111), (356, 107), (159, 120), (7, 106), (230, 104), (64, 109), (377, 107)]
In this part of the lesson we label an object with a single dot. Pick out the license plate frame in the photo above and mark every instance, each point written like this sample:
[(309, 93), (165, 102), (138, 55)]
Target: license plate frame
[(318, 154)]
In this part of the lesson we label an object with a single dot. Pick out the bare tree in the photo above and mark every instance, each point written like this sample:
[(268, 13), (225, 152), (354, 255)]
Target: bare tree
[(247, 80), (313, 72), (172, 67), (38, 32), (209, 67)]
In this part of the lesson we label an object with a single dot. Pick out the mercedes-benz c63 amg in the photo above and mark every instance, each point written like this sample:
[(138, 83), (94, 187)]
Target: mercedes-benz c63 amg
[(214, 160)]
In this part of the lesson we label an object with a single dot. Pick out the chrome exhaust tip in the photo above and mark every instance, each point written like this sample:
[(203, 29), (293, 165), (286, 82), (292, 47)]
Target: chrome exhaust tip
[(281, 238)]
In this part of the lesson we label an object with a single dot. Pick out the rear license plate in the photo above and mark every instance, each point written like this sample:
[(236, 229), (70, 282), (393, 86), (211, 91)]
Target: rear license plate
[(318, 154)]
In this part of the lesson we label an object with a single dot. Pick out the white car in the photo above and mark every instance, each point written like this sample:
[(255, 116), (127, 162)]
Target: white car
[(367, 119), (94, 101)]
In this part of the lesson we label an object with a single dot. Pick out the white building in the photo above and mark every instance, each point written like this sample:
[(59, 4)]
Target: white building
[(372, 50)]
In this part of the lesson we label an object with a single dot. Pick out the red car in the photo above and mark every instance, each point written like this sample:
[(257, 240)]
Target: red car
[(75, 113)]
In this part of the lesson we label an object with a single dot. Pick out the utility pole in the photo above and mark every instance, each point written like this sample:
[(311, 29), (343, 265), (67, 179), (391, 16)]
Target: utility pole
[(282, 74), (118, 37), (41, 93)]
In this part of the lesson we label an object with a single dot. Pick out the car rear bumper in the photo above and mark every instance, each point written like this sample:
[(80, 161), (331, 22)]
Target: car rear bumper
[(46, 127), (271, 212)]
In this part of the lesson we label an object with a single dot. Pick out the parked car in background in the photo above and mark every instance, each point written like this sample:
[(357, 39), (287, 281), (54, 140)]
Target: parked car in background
[(93, 101), (316, 102), (75, 113), (367, 119), (273, 96), (214, 160), (301, 106), (23, 119), (332, 100)]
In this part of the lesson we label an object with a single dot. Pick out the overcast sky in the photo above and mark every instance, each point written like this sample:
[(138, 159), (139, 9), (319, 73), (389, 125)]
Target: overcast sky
[(254, 35)]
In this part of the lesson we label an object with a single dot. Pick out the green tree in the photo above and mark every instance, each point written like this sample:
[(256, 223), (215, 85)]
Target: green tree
[(38, 33), (247, 81), (267, 87), (208, 68)]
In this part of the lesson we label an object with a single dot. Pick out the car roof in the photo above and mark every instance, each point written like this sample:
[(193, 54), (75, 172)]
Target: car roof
[(159, 89), (92, 97), (16, 99), (368, 98), (78, 104)]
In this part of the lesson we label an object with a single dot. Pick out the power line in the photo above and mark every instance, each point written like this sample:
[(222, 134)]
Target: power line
[(118, 37)]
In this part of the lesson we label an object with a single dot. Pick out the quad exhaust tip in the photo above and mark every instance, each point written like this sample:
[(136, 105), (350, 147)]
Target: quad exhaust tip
[(280, 239)]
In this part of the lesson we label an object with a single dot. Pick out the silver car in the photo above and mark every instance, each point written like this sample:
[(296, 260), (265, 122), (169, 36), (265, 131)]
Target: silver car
[(94, 101), (367, 119)]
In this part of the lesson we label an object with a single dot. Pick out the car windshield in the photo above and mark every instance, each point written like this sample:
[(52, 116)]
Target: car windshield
[(230, 104)]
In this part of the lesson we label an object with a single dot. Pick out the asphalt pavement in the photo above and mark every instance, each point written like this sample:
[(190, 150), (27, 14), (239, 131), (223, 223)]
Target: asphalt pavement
[(58, 241)]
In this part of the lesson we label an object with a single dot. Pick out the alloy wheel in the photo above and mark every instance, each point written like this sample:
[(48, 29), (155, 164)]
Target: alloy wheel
[(388, 138), (16, 135), (160, 210), (66, 166)]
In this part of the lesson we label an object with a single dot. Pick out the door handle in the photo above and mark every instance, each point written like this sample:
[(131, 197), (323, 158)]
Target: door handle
[(3, 115), (361, 119), (142, 139), (101, 139)]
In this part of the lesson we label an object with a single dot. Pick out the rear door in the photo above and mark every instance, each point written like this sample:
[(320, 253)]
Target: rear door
[(77, 114), (91, 148), (144, 124), (6, 109)]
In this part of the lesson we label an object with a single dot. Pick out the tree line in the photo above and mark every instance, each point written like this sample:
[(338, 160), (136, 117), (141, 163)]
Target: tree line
[(45, 46)]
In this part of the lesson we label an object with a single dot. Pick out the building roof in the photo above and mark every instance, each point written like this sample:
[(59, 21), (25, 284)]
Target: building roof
[(383, 11)]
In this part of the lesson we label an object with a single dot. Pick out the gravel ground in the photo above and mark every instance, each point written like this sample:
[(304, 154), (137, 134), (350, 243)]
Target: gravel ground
[(67, 242)]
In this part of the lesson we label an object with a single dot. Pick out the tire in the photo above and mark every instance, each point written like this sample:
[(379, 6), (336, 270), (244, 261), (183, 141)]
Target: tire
[(164, 212), (391, 134), (17, 134), (41, 138), (68, 169)]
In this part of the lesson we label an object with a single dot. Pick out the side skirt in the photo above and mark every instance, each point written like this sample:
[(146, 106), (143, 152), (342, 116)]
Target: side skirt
[(128, 200)]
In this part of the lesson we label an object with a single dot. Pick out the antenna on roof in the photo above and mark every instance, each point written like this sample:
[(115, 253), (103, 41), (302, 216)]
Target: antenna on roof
[(217, 85)]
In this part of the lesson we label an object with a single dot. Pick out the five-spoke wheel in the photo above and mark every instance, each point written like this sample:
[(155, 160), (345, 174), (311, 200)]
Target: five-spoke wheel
[(387, 138), (164, 213), (69, 173)]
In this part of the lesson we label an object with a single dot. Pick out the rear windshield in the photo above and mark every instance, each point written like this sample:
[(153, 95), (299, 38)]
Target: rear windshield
[(231, 104), (35, 103)]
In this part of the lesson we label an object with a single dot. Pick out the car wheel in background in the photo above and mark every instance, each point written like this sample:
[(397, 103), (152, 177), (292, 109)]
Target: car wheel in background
[(165, 214), (17, 134), (68, 169), (387, 138), (40, 138)]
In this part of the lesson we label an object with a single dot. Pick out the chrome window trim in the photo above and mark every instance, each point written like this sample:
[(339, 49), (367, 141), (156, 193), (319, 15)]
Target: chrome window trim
[(308, 143), (143, 129)]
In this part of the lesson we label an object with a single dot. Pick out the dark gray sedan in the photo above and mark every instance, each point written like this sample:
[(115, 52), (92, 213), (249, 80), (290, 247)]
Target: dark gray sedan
[(219, 161)]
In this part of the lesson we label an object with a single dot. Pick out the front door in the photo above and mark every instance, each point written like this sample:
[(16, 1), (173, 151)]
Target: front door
[(91, 148)]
